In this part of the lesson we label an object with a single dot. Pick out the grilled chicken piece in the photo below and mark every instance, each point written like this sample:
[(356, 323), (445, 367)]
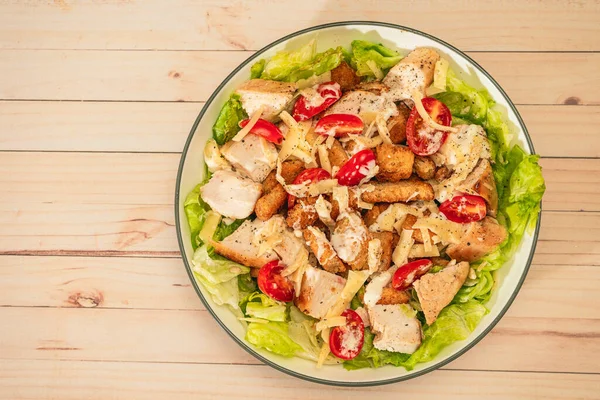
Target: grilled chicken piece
[(424, 167), (350, 239), (481, 182), (272, 95), (253, 156), (395, 162), (345, 76), (374, 87), (241, 247), (231, 195), (361, 101), (480, 238), (436, 291), (387, 247), (323, 250), (394, 192), (395, 329), (397, 125), (319, 292), (413, 73)]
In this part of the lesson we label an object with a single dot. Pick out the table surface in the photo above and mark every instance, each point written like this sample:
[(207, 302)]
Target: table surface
[(97, 99)]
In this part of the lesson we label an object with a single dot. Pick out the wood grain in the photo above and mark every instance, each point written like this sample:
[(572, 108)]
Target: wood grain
[(163, 127), (528, 78), (72, 380), (551, 291), (187, 24)]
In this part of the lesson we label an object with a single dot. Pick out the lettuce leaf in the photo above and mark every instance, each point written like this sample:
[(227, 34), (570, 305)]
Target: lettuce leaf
[(226, 126), (291, 66), (224, 229), (272, 336), (257, 69), (259, 305), (363, 51), (195, 211), (218, 275), (455, 322)]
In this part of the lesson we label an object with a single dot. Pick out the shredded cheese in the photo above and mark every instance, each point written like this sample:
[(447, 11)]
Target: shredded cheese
[(314, 80), (356, 280), (426, 238), (375, 252), (329, 141), (323, 355), (419, 251), (375, 69), (330, 322), (324, 158), (402, 250), (210, 226), (340, 194), (323, 208), (417, 97), (246, 130), (382, 129), (447, 231)]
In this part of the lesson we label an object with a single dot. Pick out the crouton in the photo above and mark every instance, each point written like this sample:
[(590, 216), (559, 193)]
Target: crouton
[(395, 162), (337, 155), (274, 195), (436, 291), (352, 203), (371, 215), (481, 238), (442, 173), (387, 247), (303, 214), (290, 170), (389, 296), (403, 191), (345, 76), (397, 125), (424, 167), (323, 250)]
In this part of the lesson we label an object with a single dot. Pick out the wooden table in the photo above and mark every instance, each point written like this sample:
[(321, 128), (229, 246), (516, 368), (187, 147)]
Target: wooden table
[(97, 98)]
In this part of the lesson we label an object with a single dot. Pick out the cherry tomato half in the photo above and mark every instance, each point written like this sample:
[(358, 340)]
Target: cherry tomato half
[(356, 168), (330, 93), (308, 175), (273, 284), (346, 341), (422, 139), (464, 208), (408, 273), (339, 125), (265, 129)]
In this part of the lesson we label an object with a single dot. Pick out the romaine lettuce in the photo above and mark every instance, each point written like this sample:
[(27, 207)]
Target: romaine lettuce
[(260, 305), (195, 211), (363, 51), (218, 275), (291, 66), (272, 336), (226, 126)]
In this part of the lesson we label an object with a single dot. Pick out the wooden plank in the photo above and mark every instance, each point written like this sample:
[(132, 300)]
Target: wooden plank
[(528, 78), (163, 127), (550, 291), (74, 380), (186, 24), (516, 344), (571, 184)]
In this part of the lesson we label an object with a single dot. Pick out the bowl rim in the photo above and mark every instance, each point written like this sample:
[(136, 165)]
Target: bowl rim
[(188, 267)]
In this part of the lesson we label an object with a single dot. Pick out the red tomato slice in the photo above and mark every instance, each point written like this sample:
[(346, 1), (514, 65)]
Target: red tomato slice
[(329, 91), (308, 175), (408, 273), (265, 129), (356, 168), (422, 139), (273, 284), (464, 208), (339, 125), (346, 341)]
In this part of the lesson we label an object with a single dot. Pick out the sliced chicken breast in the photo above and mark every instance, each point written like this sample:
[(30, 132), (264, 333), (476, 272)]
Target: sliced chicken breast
[(241, 247), (436, 291), (481, 182), (319, 292), (480, 238), (253, 156), (361, 101), (272, 95), (230, 194), (413, 72), (395, 328)]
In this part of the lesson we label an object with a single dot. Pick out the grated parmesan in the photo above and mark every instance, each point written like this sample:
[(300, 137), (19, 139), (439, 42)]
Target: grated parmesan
[(246, 130)]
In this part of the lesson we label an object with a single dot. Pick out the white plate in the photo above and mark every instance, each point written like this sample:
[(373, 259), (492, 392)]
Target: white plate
[(510, 277)]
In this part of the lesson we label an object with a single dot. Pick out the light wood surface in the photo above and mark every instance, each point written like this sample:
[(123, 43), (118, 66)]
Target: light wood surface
[(96, 101)]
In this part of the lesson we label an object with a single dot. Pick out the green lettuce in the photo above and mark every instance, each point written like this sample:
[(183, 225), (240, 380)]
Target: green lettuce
[(224, 229), (291, 66), (218, 275), (195, 211), (370, 357), (226, 126), (455, 322), (363, 51), (258, 305), (272, 336)]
